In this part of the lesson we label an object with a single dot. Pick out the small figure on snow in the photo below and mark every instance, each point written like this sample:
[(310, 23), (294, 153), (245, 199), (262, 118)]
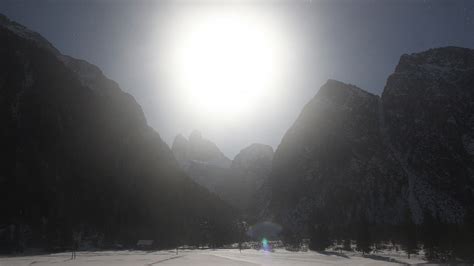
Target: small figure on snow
[(76, 239)]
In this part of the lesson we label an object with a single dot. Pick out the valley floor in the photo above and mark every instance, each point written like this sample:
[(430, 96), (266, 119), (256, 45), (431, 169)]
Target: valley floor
[(205, 257)]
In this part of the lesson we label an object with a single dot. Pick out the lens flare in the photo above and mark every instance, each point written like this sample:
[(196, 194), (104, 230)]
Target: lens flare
[(265, 245)]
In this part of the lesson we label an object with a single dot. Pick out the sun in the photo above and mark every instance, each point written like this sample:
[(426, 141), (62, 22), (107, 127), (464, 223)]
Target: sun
[(225, 63)]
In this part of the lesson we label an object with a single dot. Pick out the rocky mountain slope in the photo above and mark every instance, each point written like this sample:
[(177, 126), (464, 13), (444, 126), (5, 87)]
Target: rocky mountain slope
[(78, 156), (333, 162), (254, 162), (236, 181), (428, 109), (354, 157)]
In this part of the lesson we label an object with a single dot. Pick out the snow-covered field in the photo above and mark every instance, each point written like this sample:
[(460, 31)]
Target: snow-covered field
[(205, 257)]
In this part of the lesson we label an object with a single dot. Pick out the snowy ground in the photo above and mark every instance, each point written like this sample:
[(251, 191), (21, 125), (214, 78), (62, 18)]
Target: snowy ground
[(205, 257)]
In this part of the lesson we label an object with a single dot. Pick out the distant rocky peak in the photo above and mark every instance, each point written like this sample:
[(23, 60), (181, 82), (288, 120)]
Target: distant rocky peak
[(256, 154), (198, 150), (432, 73), (196, 141), (340, 93), (258, 148), (452, 58), (180, 140), (179, 148), (195, 136)]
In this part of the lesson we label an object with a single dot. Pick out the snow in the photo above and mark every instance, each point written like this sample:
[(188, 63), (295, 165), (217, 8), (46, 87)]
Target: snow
[(207, 257)]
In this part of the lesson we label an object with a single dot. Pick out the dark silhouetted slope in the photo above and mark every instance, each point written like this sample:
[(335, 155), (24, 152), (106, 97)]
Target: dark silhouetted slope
[(78, 155), (353, 158)]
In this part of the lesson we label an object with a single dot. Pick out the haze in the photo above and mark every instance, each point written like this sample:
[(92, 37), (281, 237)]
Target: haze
[(282, 50)]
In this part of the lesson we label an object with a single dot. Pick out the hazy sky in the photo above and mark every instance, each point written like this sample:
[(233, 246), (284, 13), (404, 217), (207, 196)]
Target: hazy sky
[(358, 42)]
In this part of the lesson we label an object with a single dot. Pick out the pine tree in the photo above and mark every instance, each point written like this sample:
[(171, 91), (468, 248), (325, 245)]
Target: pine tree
[(347, 245), (292, 240), (430, 237), (319, 240), (464, 244), (409, 241), (363, 240)]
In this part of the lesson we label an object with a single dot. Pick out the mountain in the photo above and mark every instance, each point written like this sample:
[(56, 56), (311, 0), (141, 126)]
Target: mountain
[(428, 109), (254, 162), (78, 156), (352, 157), (235, 181), (252, 166), (202, 160), (198, 150), (333, 162), (254, 157)]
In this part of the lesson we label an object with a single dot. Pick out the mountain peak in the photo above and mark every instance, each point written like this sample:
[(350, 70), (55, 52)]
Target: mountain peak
[(26, 34), (254, 155), (338, 91), (198, 149), (436, 72), (195, 136), (451, 57), (179, 139)]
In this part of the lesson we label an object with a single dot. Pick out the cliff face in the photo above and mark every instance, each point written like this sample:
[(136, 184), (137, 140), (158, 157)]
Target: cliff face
[(352, 156), (332, 163), (252, 165), (78, 155), (428, 108)]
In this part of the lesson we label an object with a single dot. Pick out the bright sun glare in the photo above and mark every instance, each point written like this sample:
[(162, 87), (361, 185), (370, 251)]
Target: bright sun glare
[(225, 64)]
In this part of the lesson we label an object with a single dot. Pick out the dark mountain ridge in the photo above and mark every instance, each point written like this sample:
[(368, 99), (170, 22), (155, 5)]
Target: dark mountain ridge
[(78, 156), (355, 159)]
